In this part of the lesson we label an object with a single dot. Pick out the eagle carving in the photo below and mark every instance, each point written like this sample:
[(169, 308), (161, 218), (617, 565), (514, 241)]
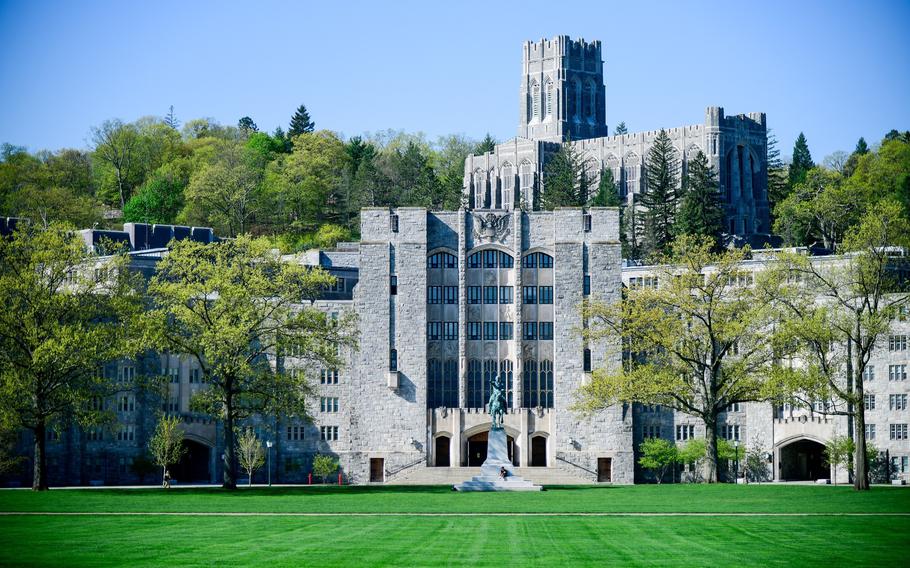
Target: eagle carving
[(491, 227)]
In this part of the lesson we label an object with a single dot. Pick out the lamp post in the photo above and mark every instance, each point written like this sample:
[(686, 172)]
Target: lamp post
[(735, 461), (268, 445)]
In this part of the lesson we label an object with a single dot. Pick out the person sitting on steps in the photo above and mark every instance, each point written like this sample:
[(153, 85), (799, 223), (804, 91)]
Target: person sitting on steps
[(503, 472)]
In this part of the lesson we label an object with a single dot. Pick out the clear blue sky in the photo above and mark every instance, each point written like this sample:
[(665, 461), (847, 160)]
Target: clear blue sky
[(835, 70)]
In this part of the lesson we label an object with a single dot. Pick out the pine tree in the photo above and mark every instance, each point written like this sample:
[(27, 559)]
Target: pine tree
[(778, 184), (620, 129), (566, 179), (701, 211), (171, 120), (661, 194), (488, 144), (607, 194), (802, 161), (300, 123), (281, 139), (861, 147)]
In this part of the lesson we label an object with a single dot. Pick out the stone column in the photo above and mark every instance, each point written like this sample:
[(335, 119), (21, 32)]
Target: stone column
[(517, 383), (462, 311)]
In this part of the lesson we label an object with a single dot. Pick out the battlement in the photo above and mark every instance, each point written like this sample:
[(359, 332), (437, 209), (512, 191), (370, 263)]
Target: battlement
[(560, 46)]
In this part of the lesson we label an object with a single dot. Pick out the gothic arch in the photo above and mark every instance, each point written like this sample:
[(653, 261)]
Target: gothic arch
[(534, 91), (548, 98)]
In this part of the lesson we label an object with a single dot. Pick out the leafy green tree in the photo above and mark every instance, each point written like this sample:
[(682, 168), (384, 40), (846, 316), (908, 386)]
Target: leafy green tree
[(488, 144), (896, 135), (231, 306), (448, 162), (701, 211), (661, 195), (324, 466), (839, 451), (607, 191), (801, 162), (821, 208), (246, 126), (835, 312), (706, 338), (413, 178), (268, 147), (693, 453), (158, 201), (63, 315), (166, 444), (116, 145), (142, 467), (658, 455), (250, 452), (567, 179), (620, 129), (300, 123), (883, 174)]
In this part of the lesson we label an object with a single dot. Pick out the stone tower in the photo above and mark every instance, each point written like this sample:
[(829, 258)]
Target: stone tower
[(562, 90)]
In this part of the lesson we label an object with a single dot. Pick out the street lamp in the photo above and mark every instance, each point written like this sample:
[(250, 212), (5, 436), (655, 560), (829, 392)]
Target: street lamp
[(735, 461), (268, 445)]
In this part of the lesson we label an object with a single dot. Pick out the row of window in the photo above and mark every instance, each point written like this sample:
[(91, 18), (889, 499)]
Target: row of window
[(328, 404), (505, 329), (173, 375), (491, 259), (442, 383), (486, 259), (443, 294), (895, 401), (442, 260), (490, 331), (897, 343), (437, 330), (895, 373)]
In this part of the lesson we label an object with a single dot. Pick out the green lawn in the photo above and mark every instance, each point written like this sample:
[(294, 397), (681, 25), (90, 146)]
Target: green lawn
[(403, 540)]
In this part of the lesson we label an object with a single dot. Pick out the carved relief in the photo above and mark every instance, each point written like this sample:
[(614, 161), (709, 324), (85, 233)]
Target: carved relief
[(489, 227)]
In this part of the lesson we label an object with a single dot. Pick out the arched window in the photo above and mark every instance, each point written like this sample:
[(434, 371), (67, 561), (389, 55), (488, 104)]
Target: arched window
[(529, 385), (442, 260), (548, 100), (489, 371), (450, 384), (434, 383), (535, 101), (505, 371), (507, 175), (546, 384), (475, 385), (490, 259)]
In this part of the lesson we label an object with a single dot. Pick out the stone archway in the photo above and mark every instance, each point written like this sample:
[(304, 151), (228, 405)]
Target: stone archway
[(477, 448), (538, 451), (195, 465), (442, 447), (803, 460)]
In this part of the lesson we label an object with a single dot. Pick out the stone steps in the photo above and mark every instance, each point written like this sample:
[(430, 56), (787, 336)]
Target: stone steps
[(424, 475)]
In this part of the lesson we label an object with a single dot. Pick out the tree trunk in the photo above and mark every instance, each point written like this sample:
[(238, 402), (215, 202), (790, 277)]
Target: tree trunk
[(710, 467), (230, 453), (860, 469), (39, 478)]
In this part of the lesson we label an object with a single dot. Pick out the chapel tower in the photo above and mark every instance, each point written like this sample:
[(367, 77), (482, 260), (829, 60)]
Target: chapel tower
[(562, 90)]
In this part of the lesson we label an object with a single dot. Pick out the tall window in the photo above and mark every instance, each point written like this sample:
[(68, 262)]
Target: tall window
[(508, 182), (548, 101), (530, 393), (442, 260), (442, 383), (506, 330), (475, 384), (526, 175), (535, 101), (546, 384), (505, 371)]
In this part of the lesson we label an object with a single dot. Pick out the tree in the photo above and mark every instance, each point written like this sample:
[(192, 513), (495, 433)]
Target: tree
[(701, 211), (170, 120), (251, 454), (232, 306), (246, 126), (693, 452), (142, 467), (835, 312), (607, 192), (620, 129), (488, 144), (166, 444), (861, 147), (63, 316), (226, 191), (658, 455), (756, 464), (412, 177), (839, 451), (778, 177), (324, 466), (158, 201), (700, 340), (836, 161), (448, 160), (661, 195), (300, 123), (820, 208), (567, 179), (801, 162), (116, 145)]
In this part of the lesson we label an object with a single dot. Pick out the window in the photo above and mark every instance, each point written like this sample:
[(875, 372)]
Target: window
[(869, 401), (489, 294), (393, 360), (328, 404), (126, 404), (586, 286), (870, 431), (195, 376), (474, 260), (329, 377), (328, 433), (897, 343), (450, 330), (451, 294), (173, 374), (442, 260), (505, 294), (650, 431), (506, 260), (489, 258), (529, 261), (295, 433), (473, 294), (548, 98), (546, 330), (735, 407), (393, 285), (685, 432), (434, 294), (586, 356), (489, 330), (393, 223), (643, 281), (729, 432), (546, 294), (897, 431), (529, 295), (473, 330), (587, 222), (869, 373), (94, 434), (126, 434), (506, 330), (530, 394), (475, 385), (434, 330), (897, 372), (530, 330), (505, 371), (897, 402), (442, 383), (97, 403), (337, 285), (900, 464), (126, 374)]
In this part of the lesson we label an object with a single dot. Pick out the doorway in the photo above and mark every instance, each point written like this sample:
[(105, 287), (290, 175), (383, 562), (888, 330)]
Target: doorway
[(477, 449), (377, 470), (539, 451), (443, 444), (604, 470), (803, 460), (193, 467)]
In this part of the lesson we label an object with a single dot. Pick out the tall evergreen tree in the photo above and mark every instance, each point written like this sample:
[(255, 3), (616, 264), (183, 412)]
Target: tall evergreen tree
[(861, 147), (300, 122), (171, 120), (620, 129), (488, 144), (701, 212), (607, 192), (566, 179), (802, 161), (282, 140), (661, 194), (778, 182)]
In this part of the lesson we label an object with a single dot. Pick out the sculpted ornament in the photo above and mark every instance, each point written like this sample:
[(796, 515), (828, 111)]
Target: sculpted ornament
[(490, 227)]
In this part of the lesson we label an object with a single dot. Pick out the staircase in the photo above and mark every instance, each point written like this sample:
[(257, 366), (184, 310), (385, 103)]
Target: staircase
[(423, 475)]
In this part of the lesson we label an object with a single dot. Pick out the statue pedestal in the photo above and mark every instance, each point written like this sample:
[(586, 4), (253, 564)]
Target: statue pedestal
[(497, 458)]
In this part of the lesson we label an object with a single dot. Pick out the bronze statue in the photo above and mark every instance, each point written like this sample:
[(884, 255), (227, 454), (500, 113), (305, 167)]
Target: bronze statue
[(497, 404)]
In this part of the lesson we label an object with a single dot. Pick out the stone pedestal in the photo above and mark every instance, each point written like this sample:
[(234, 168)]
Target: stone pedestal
[(497, 458)]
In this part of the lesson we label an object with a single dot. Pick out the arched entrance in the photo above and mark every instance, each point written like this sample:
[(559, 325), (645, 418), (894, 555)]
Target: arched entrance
[(477, 448), (443, 446), (539, 451), (803, 460), (194, 465)]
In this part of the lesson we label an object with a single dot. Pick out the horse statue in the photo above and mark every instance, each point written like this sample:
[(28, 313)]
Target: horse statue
[(497, 403)]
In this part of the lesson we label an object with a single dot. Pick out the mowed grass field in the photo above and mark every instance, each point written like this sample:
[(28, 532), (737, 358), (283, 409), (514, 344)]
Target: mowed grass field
[(721, 525)]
